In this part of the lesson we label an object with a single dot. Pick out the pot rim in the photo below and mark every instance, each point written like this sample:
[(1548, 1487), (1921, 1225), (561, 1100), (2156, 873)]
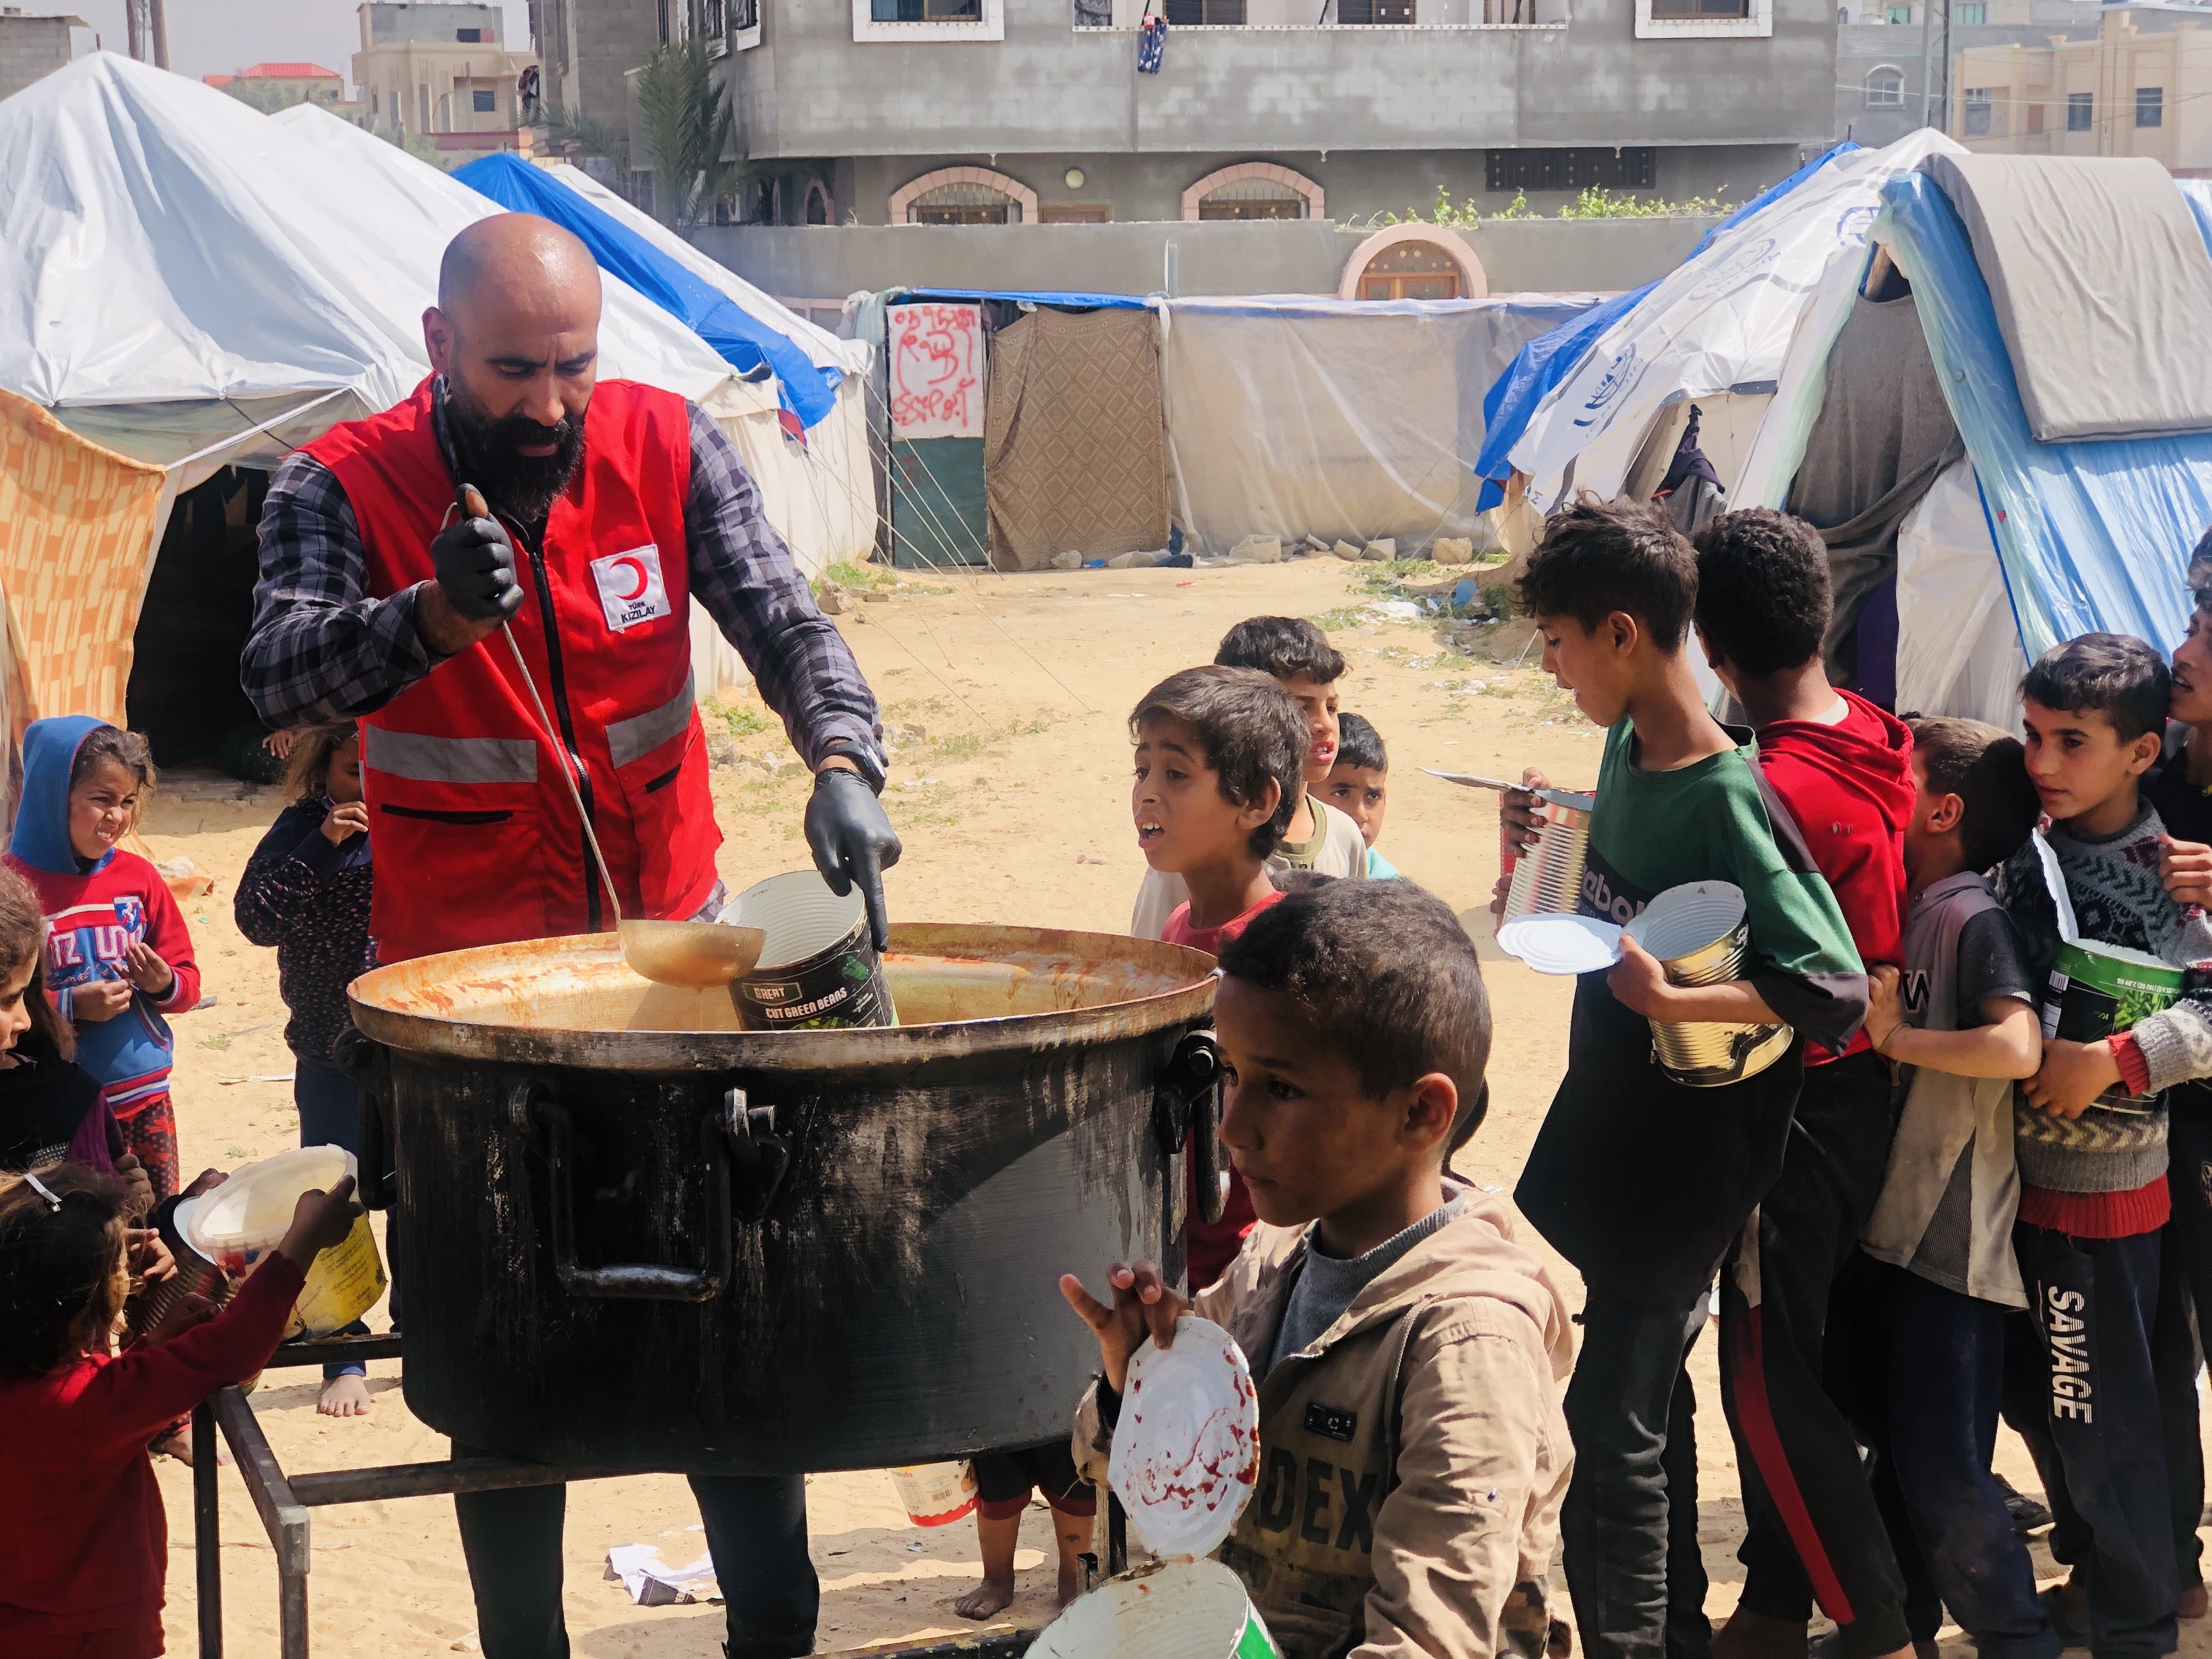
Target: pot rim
[(810, 1051)]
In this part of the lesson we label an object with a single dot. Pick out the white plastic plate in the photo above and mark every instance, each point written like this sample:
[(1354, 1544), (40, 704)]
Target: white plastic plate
[(1187, 1449), (1561, 944)]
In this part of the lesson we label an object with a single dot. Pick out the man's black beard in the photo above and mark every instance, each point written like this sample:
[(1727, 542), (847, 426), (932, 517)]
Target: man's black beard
[(488, 445)]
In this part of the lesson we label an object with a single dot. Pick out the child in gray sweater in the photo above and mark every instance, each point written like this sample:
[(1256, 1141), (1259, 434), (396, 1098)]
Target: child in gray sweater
[(2091, 1131)]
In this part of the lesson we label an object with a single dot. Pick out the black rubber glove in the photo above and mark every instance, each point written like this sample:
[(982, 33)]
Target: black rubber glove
[(475, 563), (853, 841)]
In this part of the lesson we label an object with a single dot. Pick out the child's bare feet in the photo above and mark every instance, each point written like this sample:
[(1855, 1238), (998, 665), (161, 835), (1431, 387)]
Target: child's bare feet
[(345, 1395), (177, 1443), (992, 1595)]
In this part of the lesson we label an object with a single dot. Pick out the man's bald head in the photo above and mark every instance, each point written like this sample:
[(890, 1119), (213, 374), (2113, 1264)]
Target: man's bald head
[(511, 257), (516, 334)]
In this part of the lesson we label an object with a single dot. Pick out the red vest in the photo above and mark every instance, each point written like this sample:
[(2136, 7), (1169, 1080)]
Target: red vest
[(476, 839)]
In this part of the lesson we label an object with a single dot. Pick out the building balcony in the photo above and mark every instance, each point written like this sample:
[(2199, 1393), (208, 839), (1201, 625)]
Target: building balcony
[(1008, 77)]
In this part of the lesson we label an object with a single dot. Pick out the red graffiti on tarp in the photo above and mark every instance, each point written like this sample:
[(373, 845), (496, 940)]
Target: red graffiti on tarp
[(936, 369)]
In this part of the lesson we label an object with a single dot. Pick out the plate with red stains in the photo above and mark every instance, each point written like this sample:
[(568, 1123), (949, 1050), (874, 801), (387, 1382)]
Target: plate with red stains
[(1186, 1449)]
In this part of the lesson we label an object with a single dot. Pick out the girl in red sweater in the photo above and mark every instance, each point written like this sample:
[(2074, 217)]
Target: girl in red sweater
[(83, 1540), (119, 958)]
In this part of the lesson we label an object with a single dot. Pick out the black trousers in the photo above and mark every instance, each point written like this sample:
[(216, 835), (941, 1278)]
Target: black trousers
[(2184, 1313), (1629, 1528), (1813, 1530), (756, 1531), (1920, 1369), (2080, 1389)]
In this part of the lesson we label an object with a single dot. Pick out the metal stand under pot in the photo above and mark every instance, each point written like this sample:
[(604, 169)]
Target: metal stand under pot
[(282, 1502)]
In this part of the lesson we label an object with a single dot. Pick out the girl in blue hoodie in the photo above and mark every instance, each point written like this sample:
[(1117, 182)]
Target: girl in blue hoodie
[(118, 956)]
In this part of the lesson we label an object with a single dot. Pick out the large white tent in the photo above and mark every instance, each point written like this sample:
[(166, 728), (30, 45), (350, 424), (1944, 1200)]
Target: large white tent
[(187, 284), (1716, 328), (172, 261), (2022, 542)]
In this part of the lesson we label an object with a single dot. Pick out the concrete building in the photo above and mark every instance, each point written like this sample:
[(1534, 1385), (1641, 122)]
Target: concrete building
[(586, 47), (2142, 86), (272, 86), (439, 71), (31, 46), (1890, 54), (966, 112)]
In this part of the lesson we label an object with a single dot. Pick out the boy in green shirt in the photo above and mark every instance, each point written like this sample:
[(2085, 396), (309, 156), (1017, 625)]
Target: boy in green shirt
[(1641, 1181)]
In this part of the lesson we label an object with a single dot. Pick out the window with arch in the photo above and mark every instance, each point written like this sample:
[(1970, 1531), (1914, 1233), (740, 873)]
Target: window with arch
[(1253, 190), (820, 209), (1411, 270), (1253, 198), (963, 196), (963, 204), (1885, 87)]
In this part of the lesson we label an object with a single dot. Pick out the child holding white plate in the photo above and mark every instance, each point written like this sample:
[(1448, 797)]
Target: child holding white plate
[(1412, 1455)]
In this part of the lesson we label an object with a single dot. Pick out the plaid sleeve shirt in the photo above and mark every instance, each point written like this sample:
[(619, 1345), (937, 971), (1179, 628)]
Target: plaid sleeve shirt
[(322, 649)]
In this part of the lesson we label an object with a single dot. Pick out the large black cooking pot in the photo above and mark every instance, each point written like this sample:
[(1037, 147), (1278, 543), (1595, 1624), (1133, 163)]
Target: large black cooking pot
[(629, 1235)]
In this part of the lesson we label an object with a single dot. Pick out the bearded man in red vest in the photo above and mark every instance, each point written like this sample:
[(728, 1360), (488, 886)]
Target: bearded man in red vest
[(589, 515)]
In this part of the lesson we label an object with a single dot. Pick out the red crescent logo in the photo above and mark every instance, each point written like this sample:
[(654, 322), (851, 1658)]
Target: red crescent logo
[(637, 567)]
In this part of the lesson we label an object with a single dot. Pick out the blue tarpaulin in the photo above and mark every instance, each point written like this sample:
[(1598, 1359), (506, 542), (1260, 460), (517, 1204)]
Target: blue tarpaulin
[(743, 340), (1079, 301), (1549, 358), (2091, 535)]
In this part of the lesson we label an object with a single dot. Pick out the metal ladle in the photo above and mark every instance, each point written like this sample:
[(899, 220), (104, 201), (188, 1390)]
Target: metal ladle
[(696, 956), (693, 956)]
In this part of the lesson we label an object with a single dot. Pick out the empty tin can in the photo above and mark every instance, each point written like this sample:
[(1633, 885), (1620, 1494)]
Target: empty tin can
[(1549, 875), (1701, 935)]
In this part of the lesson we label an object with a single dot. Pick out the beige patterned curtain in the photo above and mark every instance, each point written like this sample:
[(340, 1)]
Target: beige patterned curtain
[(1074, 455), (77, 529)]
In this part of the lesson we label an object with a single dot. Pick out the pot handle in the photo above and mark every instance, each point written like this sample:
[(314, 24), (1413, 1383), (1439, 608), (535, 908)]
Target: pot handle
[(532, 1107), (369, 1063), (759, 1157), (1187, 1116)]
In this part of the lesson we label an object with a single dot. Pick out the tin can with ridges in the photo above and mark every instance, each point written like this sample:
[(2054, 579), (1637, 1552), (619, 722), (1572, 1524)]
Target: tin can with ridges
[(1548, 877)]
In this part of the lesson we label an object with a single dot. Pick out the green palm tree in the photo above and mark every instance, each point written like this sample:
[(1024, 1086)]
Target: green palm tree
[(689, 129)]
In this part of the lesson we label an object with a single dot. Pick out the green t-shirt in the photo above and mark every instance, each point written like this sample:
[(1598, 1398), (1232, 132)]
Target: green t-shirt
[(1714, 821), (1639, 1180)]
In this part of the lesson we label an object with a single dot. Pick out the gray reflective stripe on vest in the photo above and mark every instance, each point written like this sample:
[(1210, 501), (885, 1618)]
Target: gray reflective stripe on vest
[(640, 735), (427, 759)]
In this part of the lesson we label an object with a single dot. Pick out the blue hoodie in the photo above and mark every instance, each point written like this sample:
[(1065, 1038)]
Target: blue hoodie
[(96, 909)]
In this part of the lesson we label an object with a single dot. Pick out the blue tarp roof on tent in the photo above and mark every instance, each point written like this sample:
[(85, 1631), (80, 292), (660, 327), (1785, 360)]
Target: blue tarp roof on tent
[(744, 342), (2092, 536), (1093, 302), (1550, 358)]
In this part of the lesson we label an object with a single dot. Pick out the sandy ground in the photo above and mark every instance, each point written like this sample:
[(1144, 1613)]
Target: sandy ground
[(1007, 695)]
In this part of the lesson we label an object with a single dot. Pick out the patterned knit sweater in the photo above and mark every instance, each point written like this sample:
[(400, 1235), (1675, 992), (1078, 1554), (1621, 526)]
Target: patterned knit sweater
[(2117, 899)]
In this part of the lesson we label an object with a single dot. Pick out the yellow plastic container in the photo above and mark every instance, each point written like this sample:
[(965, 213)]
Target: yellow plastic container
[(246, 1219)]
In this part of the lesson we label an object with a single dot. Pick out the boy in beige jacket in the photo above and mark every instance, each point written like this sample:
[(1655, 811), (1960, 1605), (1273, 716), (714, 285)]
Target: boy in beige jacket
[(1409, 1352)]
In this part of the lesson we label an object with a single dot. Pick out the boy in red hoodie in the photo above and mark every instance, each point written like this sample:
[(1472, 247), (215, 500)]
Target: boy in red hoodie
[(1844, 768)]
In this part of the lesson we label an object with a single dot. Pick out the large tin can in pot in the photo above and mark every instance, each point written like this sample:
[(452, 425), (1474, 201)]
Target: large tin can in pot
[(818, 967), (630, 1234), (1548, 877), (1702, 936)]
